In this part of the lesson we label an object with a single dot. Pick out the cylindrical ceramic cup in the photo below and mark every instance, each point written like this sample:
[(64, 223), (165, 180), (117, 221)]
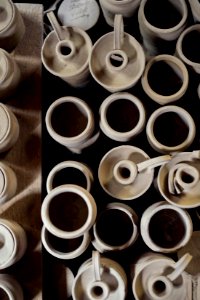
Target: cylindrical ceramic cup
[(13, 243), (8, 182), (67, 172), (187, 48), (10, 289), (122, 116), (68, 211), (115, 228), (70, 122), (165, 79), (165, 227), (170, 129), (12, 26), (9, 125), (161, 23)]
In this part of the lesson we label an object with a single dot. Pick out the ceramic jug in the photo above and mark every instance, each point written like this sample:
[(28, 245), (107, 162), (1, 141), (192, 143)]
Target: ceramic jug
[(126, 172), (165, 79), (165, 228), (122, 116), (160, 25), (65, 53), (12, 26), (8, 182), (68, 211), (170, 129), (13, 243), (100, 278), (178, 180), (117, 59), (10, 289), (70, 122), (69, 172)]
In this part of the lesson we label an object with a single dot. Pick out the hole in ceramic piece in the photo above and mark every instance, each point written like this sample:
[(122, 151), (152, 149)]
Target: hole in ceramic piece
[(190, 47), (65, 50), (124, 172), (159, 288), (3, 294), (187, 178), (69, 175), (116, 60), (97, 291)]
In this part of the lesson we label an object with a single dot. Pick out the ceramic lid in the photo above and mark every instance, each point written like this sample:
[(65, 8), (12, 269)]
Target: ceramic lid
[(6, 245), (6, 14), (4, 123)]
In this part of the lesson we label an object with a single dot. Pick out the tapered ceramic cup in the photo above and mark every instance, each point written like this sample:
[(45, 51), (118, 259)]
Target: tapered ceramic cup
[(8, 182), (10, 289), (12, 26)]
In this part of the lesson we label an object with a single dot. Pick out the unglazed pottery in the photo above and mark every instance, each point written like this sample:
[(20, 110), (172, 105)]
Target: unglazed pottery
[(187, 48), (10, 289), (100, 278), (158, 277), (70, 122), (13, 243), (65, 53), (195, 8), (69, 172), (118, 234), (165, 79), (8, 182), (12, 26), (10, 74), (68, 211), (170, 129), (117, 59), (122, 116), (161, 23), (126, 8), (64, 248), (9, 128), (126, 172), (178, 180), (165, 228)]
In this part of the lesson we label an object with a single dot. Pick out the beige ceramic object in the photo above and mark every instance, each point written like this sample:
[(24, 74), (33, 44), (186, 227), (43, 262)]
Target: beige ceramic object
[(65, 53), (9, 126), (13, 243), (195, 8), (69, 172), (122, 116), (161, 23), (10, 289), (10, 74), (165, 228), (12, 26), (8, 183), (170, 129), (126, 172), (165, 79), (100, 278), (126, 8), (68, 211), (158, 277), (187, 48), (178, 180), (117, 59), (118, 234), (70, 122)]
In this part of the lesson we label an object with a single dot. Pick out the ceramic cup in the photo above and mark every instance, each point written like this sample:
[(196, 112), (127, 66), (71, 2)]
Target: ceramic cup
[(69, 172), (126, 172), (178, 180), (158, 277), (195, 9), (165, 227), (70, 122), (13, 242), (117, 59), (12, 26), (8, 182), (68, 211), (187, 48), (122, 116), (170, 129), (126, 8), (100, 278), (165, 79), (9, 128), (10, 289), (119, 234), (64, 248), (10, 74), (65, 53), (160, 25)]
